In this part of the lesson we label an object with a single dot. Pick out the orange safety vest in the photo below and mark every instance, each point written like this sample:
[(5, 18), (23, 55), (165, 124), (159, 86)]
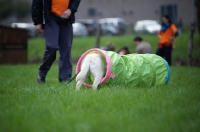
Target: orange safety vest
[(59, 6), (167, 35)]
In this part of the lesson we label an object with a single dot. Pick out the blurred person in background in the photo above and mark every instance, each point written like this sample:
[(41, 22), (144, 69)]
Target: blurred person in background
[(56, 18), (123, 50), (142, 47), (109, 47), (166, 35)]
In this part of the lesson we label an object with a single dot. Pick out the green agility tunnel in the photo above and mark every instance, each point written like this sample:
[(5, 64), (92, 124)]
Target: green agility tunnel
[(130, 70)]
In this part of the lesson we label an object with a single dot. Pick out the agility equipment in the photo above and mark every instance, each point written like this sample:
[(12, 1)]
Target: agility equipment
[(130, 70)]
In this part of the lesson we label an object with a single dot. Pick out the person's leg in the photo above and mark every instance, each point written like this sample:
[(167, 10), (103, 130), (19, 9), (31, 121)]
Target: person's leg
[(65, 44), (51, 34), (167, 53), (159, 52)]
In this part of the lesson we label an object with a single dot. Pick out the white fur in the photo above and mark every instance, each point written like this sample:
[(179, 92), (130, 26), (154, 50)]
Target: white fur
[(92, 64)]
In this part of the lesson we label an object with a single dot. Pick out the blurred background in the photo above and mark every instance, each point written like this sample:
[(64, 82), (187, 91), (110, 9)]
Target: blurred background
[(130, 15), (117, 21)]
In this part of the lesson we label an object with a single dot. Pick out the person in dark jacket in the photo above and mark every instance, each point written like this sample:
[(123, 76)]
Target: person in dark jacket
[(56, 18)]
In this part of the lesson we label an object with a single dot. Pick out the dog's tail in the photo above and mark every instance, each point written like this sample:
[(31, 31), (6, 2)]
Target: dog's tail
[(84, 69)]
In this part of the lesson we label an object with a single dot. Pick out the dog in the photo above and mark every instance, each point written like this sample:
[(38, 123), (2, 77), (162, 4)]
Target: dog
[(108, 67), (91, 65)]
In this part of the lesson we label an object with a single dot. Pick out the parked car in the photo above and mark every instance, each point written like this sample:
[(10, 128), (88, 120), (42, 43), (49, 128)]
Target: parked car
[(112, 26), (90, 24), (27, 26), (79, 29), (147, 26)]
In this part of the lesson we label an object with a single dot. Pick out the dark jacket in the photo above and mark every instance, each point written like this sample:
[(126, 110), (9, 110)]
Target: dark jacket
[(41, 9)]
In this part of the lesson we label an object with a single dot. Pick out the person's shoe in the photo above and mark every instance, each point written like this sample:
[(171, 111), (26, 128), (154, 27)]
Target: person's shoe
[(40, 80), (64, 80)]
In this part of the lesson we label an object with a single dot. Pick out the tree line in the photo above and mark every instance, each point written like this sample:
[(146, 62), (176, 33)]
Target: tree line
[(18, 8)]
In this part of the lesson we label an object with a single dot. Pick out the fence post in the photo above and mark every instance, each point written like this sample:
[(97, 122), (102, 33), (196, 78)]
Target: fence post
[(98, 36), (190, 44)]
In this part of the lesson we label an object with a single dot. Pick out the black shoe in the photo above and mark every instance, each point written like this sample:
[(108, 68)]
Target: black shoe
[(64, 80), (40, 80)]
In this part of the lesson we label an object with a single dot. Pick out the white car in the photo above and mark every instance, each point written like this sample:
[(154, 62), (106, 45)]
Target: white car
[(147, 26), (79, 29), (112, 26)]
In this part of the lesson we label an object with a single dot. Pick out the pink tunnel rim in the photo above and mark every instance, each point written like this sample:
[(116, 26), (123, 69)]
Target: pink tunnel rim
[(108, 65)]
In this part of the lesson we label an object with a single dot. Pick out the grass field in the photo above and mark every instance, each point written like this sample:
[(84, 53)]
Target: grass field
[(80, 45), (26, 106)]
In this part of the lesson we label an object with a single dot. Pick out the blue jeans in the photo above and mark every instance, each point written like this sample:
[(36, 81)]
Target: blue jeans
[(57, 37)]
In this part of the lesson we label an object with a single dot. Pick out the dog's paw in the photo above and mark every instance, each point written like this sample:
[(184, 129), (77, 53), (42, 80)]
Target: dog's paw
[(94, 88), (77, 89)]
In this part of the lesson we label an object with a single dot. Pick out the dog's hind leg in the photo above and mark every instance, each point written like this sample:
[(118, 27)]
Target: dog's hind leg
[(97, 80), (79, 84), (97, 70), (82, 75)]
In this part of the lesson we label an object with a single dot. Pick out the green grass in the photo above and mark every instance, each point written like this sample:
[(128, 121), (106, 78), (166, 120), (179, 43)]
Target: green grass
[(26, 106), (81, 44)]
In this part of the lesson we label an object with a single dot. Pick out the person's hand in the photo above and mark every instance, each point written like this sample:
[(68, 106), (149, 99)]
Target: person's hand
[(66, 13), (38, 28), (172, 39)]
